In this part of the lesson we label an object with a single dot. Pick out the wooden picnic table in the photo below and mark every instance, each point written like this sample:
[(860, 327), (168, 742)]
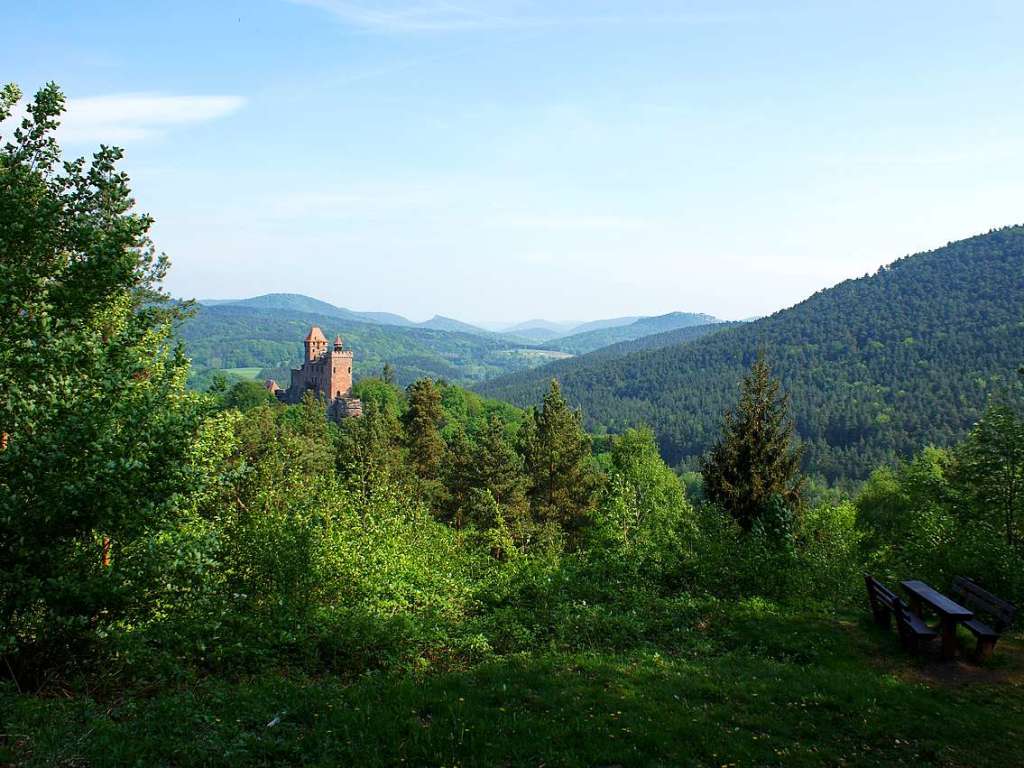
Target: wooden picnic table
[(950, 613)]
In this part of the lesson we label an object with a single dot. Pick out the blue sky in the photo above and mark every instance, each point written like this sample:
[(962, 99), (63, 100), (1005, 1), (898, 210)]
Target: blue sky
[(499, 160)]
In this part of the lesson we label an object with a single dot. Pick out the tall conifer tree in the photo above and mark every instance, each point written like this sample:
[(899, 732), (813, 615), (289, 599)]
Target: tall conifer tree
[(497, 468), (755, 464), (559, 463), (423, 421)]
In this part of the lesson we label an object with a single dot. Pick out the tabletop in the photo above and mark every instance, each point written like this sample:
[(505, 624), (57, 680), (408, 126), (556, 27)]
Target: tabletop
[(937, 600)]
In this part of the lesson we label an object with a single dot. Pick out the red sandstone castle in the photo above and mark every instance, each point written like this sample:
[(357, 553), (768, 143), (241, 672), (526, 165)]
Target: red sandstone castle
[(327, 373)]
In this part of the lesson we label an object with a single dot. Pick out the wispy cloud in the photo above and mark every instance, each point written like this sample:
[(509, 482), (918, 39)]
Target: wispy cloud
[(413, 16), (134, 116), (424, 16)]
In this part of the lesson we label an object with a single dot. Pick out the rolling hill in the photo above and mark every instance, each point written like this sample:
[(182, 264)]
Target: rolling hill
[(876, 366), (241, 336), (603, 335)]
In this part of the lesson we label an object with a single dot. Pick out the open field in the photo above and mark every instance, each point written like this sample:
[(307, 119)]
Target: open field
[(245, 373)]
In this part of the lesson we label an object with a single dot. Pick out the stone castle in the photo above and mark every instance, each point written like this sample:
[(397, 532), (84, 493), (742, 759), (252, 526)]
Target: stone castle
[(325, 372)]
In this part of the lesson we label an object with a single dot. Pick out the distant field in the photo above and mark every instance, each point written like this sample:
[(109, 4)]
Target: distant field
[(245, 373), (547, 354)]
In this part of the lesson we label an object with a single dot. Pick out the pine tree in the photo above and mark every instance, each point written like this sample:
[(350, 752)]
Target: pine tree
[(754, 464), (458, 480), (370, 450), (426, 447), (559, 464), (498, 469)]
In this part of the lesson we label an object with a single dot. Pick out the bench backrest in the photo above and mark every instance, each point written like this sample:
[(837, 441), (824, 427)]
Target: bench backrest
[(880, 596), (979, 600), (903, 622)]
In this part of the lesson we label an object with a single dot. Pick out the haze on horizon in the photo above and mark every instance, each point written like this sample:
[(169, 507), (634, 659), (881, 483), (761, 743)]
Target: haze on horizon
[(499, 160)]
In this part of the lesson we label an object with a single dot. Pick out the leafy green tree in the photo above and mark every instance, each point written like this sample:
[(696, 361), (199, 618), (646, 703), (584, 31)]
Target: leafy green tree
[(387, 374), (384, 395), (92, 391), (755, 466), (990, 466), (559, 463), (246, 395), (643, 512)]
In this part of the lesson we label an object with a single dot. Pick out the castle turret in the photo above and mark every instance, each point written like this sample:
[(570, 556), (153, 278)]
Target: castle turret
[(337, 343), (316, 343)]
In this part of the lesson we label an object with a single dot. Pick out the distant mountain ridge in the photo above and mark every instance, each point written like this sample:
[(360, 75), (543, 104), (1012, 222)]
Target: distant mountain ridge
[(875, 367), (559, 337), (605, 335)]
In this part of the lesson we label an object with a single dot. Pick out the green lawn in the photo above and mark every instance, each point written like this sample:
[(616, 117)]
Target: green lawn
[(245, 373), (755, 687)]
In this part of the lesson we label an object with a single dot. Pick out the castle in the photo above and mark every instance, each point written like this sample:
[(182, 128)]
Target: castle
[(327, 373)]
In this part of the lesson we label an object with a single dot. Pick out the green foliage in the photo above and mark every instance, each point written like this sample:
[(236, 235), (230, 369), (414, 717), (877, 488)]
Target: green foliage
[(753, 472), (943, 514), (246, 395), (497, 471), (643, 518), (558, 460), (991, 467), (861, 395), (423, 421), (369, 450), (91, 393)]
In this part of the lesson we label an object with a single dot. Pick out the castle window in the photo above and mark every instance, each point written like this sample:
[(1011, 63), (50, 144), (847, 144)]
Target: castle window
[(350, 369)]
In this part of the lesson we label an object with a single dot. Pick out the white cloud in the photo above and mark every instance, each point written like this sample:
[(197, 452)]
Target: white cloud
[(412, 16), (134, 116)]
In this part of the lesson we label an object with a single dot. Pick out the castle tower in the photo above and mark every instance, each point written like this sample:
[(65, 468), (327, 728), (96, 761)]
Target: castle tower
[(339, 376), (326, 373), (316, 343)]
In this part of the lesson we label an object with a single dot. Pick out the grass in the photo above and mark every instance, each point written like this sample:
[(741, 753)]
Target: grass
[(250, 374), (753, 686)]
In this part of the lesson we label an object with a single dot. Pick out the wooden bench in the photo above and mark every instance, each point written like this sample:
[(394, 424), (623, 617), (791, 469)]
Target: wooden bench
[(999, 612), (885, 604), (911, 627), (881, 599)]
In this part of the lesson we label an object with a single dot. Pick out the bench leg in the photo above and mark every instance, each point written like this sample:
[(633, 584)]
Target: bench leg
[(915, 605), (948, 639), (984, 648)]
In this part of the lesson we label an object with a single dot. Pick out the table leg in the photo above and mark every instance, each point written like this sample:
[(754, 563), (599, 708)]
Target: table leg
[(948, 638)]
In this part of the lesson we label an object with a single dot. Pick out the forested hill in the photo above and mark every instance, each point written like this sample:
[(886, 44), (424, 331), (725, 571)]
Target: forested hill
[(589, 340), (875, 366), (269, 341)]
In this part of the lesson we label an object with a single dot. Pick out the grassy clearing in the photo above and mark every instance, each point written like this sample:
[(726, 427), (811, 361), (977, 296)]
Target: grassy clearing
[(752, 687), (250, 374)]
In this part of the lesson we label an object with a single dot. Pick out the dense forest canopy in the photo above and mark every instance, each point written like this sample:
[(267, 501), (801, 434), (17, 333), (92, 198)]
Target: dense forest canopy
[(876, 367), (581, 342)]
